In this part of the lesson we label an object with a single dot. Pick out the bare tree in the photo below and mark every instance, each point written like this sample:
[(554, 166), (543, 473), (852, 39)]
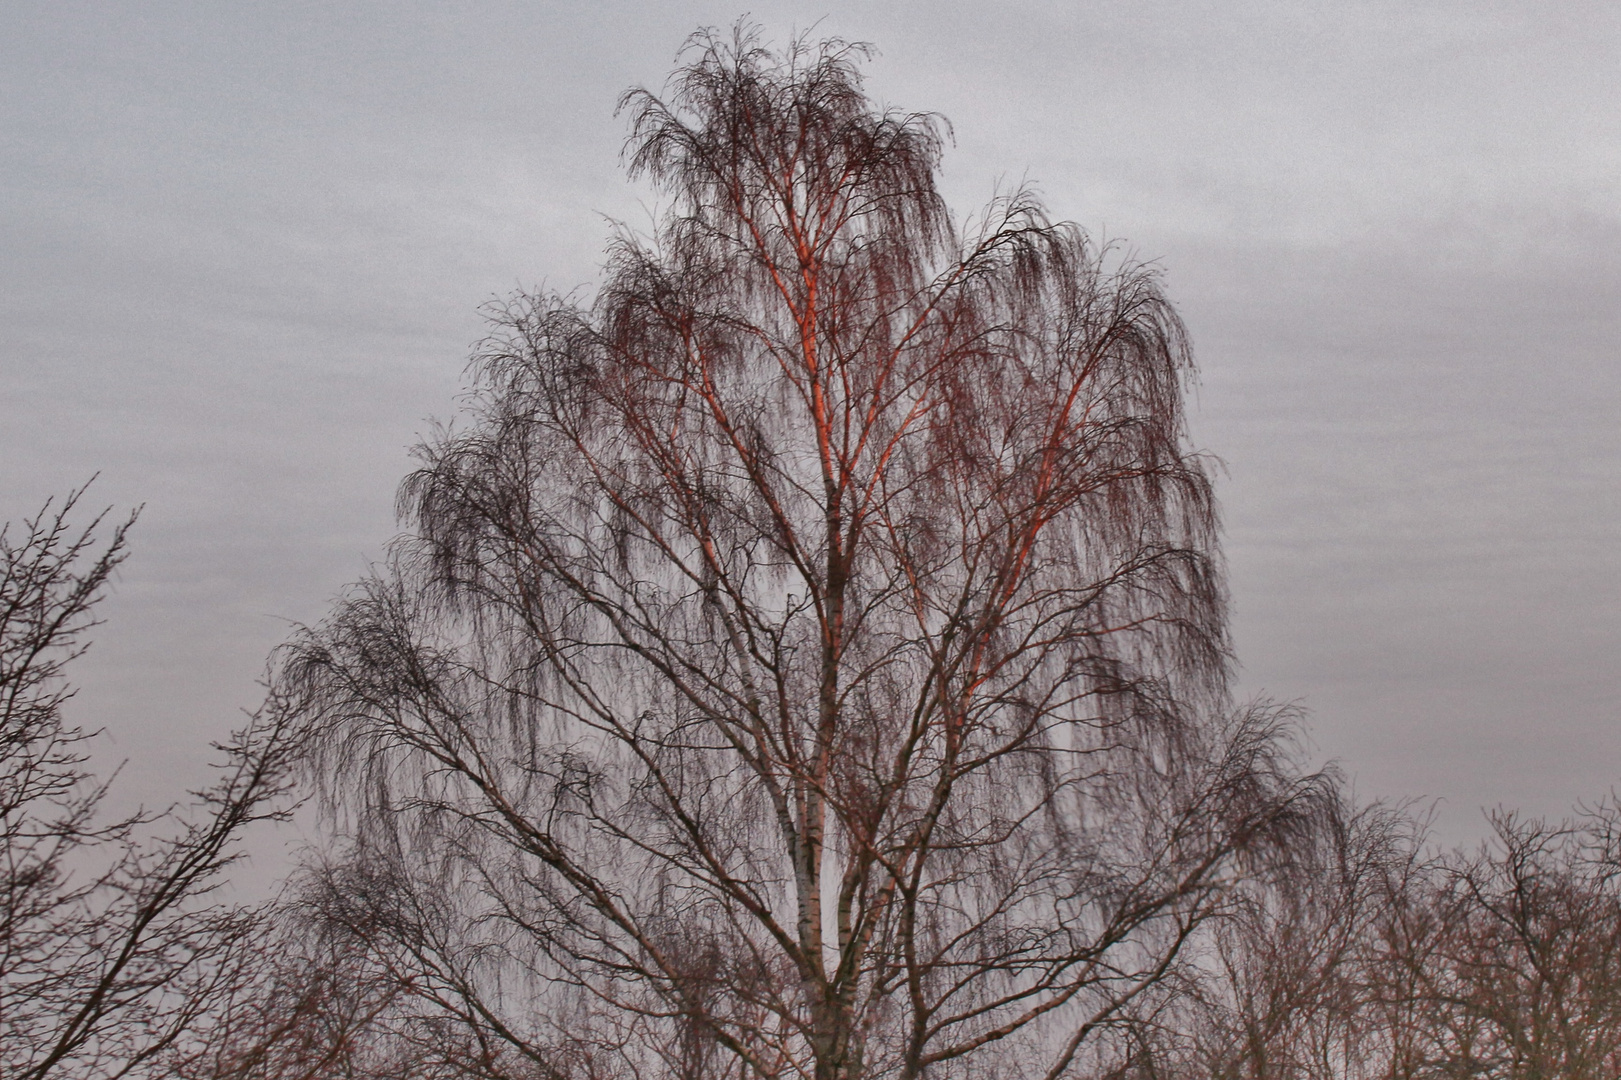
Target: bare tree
[(1368, 955), (110, 948), (1295, 979), (1524, 977), (809, 660), (309, 1006)]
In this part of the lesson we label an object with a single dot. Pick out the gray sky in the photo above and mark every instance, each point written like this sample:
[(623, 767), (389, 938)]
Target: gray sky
[(242, 249)]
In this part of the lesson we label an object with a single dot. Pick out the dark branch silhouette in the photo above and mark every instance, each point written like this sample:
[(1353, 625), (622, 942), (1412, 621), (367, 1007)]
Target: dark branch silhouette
[(110, 945)]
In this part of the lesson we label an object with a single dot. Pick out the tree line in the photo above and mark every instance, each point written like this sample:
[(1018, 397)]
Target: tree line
[(808, 659)]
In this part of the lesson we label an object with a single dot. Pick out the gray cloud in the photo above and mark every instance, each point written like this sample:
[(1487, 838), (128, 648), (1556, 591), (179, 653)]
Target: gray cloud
[(244, 248)]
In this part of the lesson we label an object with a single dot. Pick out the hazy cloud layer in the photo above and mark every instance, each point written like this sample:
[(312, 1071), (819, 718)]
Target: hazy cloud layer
[(244, 248)]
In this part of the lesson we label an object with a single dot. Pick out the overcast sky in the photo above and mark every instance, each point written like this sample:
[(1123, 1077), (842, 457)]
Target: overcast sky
[(243, 248)]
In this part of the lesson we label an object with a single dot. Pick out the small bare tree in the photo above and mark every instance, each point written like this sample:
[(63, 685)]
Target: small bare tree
[(109, 946), (308, 1006), (809, 660), (1295, 980), (1525, 974), (1369, 956)]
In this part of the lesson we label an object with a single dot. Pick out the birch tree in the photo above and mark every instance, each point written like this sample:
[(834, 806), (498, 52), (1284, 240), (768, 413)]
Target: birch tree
[(807, 657)]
